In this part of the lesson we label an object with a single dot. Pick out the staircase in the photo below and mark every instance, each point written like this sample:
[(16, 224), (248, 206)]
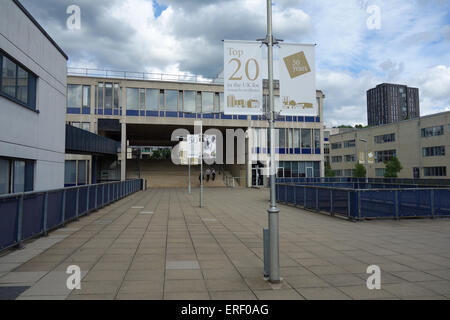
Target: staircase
[(164, 174)]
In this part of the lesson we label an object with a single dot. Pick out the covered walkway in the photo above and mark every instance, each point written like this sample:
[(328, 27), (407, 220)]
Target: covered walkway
[(158, 244)]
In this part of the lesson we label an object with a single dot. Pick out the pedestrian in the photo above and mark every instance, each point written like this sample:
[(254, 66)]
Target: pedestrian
[(213, 175), (208, 173)]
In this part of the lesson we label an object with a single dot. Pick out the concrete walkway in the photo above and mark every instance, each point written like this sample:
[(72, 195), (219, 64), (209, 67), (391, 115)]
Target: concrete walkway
[(159, 244)]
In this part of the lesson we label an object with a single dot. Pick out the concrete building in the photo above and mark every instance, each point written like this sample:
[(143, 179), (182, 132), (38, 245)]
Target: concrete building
[(422, 145), (143, 113), (32, 99), (389, 103)]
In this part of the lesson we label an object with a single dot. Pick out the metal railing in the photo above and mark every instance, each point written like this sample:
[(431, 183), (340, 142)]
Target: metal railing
[(131, 75), (399, 181), (361, 204), (24, 216)]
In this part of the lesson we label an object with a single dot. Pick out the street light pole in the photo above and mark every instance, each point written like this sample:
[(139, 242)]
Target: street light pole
[(273, 210)]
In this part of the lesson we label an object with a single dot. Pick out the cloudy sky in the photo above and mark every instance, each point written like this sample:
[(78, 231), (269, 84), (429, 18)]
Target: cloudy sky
[(409, 44)]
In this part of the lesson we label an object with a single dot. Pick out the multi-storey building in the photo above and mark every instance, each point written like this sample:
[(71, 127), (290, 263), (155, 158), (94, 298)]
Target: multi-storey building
[(143, 113), (389, 103), (32, 99), (422, 145)]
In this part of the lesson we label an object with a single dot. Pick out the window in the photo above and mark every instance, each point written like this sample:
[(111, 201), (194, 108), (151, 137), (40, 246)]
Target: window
[(142, 99), (349, 172), (171, 100), (296, 138), (82, 172), (317, 139), (207, 102), (432, 131), (216, 102), (435, 171), (189, 101), (379, 172), (290, 138), (198, 103), (70, 173), (152, 99), (86, 96), (306, 138), (16, 175), (383, 156), (222, 101), (108, 96), (336, 159), (335, 146), (385, 138), (17, 83), (4, 176), (132, 99), (282, 136), (338, 173), (433, 151), (74, 96), (349, 144), (350, 158)]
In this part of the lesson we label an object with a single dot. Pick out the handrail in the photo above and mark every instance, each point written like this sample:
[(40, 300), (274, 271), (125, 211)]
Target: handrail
[(134, 75)]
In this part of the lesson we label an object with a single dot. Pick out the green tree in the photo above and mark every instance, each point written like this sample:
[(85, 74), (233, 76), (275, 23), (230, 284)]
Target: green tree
[(393, 167), (360, 171), (329, 173)]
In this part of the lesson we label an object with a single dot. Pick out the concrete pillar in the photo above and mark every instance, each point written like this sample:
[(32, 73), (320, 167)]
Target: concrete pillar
[(123, 155), (249, 144)]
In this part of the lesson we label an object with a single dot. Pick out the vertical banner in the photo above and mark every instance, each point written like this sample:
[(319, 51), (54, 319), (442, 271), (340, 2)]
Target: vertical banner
[(298, 80), (243, 84)]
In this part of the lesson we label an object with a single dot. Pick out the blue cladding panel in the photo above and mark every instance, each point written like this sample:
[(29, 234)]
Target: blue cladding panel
[(108, 112), (133, 113), (306, 151), (242, 117), (142, 113), (8, 222), (300, 119), (297, 151), (151, 113), (161, 114), (227, 117), (208, 116), (73, 110), (255, 118), (33, 219), (171, 114), (317, 151), (289, 118), (54, 213), (309, 119), (317, 119), (190, 115), (180, 114), (86, 110)]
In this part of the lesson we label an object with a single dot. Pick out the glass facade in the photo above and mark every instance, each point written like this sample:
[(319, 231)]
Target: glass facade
[(171, 100), (74, 96), (189, 101), (132, 99), (306, 138), (4, 176), (298, 169), (152, 99), (207, 102)]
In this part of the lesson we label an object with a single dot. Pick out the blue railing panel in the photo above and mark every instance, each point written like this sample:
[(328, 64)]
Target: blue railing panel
[(8, 222), (54, 212), (71, 202), (442, 203), (33, 215), (414, 203)]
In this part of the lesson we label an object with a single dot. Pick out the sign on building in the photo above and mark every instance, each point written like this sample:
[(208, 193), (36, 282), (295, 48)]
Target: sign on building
[(370, 157), (209, 147), (298, 80), (243, 82)]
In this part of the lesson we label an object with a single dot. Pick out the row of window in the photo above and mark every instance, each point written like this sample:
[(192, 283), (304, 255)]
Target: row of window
[(432, 131), (16, 175), (289, 138), (386, 155), (17, 83), (433, 151), (346, 158), (298, 169), (385, 138), (347, 144), (435, 171), (76, 173), (344, 173), (78, 96)]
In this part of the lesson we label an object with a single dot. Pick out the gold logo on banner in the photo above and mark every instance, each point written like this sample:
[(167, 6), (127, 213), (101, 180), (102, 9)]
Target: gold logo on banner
[(232, 102), (292, 104), (297, 64)]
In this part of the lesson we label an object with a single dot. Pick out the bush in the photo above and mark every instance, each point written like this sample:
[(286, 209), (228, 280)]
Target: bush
[(393, 167), (360, 171)]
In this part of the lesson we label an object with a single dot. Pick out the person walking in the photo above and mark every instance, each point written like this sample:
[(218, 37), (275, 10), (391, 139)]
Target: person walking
[(208, 173), (213, 175)]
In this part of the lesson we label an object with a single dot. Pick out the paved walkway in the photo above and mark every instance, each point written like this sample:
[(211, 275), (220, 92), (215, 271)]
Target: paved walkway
[(158, 244)]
